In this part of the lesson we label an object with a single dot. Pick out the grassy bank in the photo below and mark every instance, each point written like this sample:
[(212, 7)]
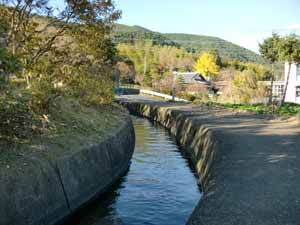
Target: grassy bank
[(69, 126), (288, 109)]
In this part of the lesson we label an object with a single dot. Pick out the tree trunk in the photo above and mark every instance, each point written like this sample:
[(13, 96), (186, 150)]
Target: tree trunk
[(272, 83), (174, 88), (286, 84)]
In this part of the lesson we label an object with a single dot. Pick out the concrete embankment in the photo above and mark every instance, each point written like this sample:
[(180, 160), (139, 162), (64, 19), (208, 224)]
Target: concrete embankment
[(40, 190), (197, 141), (248, 164)]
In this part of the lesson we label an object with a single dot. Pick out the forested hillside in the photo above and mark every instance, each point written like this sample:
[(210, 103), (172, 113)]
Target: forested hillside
[(193, 43), (225, 48), (131, 34)]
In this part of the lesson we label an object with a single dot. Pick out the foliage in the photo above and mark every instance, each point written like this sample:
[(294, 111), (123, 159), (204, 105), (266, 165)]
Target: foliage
[(8, 63), (91, 91), (288, 109), (289, 49), (152, 63), (43, 93), (68, 52), (263, 72), (17, 119), (246, 88), (127, 71), (216, 54), (269, 49), (207, 66), (226, 50), (134, 37), (187, 96), (192, 43)]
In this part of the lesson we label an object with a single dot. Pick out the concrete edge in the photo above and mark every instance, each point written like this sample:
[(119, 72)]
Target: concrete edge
[(43, 191), (199, 142)]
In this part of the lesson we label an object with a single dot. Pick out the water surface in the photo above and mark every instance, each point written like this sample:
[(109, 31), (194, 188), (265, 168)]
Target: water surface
[(159, 189)]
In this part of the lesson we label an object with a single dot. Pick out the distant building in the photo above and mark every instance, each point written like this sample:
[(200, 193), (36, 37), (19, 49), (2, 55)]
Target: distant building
[(192, 78), (293, 89), (195, 83)]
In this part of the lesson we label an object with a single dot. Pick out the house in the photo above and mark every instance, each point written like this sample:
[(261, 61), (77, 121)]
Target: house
[(192, 78), (293, 89), (195, 83)]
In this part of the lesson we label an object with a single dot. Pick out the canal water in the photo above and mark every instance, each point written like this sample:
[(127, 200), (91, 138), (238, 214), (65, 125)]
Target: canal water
[(160, 188)]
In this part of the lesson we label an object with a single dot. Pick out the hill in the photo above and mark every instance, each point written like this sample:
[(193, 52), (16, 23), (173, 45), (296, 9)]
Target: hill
[(193, 43), (200, 43), (130, 34)]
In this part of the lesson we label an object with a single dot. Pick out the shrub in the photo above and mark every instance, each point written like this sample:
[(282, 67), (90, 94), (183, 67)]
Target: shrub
[(289, 109), (246, 88), (17, 119), (186, 96), (43, 93), (92, 90)]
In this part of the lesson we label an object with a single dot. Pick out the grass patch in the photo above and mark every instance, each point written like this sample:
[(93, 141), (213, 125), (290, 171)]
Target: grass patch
[(68, 127), (288, 109)]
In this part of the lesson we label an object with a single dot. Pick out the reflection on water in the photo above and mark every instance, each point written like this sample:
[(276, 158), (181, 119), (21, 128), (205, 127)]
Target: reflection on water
[(159, 189)]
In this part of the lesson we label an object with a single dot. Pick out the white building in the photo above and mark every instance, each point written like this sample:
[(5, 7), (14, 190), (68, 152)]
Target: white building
[(293, 90)]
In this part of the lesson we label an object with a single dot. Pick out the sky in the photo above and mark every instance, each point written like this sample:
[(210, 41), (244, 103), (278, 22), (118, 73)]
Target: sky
[(244, 22)]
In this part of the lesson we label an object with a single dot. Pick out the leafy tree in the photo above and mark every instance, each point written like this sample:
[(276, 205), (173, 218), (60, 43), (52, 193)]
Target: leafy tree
[(246, 87), (289, 52), (269, 51), (215, 52), (269, 48), (207, 66), (127, 71), (151, 62), (35, 32)]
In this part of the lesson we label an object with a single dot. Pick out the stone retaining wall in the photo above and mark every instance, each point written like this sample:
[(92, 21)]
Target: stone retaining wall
[(43, 191)]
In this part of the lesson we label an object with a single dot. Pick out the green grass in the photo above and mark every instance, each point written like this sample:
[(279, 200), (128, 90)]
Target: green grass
[(288, 109), (71, 127)]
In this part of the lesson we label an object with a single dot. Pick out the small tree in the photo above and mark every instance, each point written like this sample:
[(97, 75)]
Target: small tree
[(289, 52), (207, 66), (215, 52), (269, 51)]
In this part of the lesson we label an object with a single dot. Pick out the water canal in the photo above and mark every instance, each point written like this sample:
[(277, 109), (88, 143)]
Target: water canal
[(160, 188)]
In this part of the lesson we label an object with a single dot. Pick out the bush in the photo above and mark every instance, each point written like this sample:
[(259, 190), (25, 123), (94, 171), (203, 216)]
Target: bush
[(247, 89), (17, 119), (43, 93), (289, 109), (92, 90), (186, 96)]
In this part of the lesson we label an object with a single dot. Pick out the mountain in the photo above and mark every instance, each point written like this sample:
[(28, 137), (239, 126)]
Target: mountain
[(193, 43), (226, 49), (130, 34)]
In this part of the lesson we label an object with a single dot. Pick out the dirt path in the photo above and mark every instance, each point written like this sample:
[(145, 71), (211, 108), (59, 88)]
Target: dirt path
[(257, 175)]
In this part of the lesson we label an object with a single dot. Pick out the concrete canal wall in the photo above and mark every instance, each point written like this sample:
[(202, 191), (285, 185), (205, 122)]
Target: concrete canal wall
[(44, 191), (197, 141)]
